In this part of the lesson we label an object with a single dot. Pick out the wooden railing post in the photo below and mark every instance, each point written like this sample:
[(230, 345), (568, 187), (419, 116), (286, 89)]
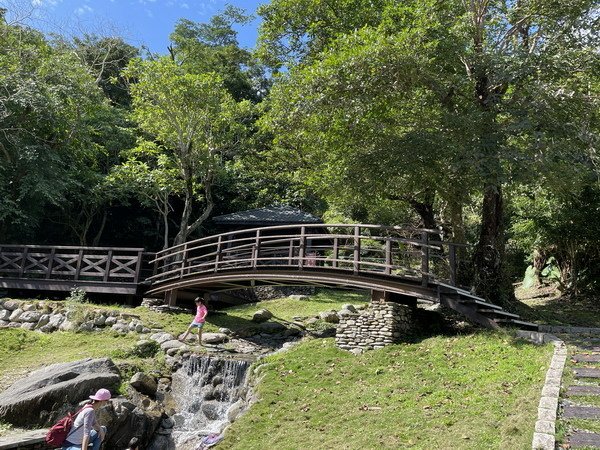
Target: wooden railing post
[(183, 260), (452, 261), (218, 256), (256, 250), (302, 249), (79, 262), (108, 261), (50, 262), (356, 259), (23, 262), (336, 252), (138, 267), (424, 258), (388, 256)]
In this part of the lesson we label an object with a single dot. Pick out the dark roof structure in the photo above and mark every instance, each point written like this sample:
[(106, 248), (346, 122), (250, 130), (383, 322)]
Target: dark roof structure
[(272, 215)]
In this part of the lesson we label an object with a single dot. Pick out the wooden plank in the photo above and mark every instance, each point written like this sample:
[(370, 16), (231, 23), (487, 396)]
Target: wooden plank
[(72, 247), (356, 255), (66, 285), (581, 412), (79, 262), (425, 258), (107, 270), (23, 262), (50, 262), (583, 439)]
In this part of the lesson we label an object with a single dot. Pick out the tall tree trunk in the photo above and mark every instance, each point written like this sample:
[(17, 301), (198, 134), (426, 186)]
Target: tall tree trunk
[(489, 278), (425, 211), (98, 235)]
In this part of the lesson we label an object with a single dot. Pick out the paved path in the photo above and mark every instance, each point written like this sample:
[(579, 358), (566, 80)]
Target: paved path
[(580, 400)]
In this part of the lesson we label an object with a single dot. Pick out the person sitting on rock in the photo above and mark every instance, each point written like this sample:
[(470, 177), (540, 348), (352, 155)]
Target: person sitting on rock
[(86, 430), (198, 321)]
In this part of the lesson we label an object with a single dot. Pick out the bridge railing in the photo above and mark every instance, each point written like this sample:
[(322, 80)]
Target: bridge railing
[(388, 251), (69, 263)]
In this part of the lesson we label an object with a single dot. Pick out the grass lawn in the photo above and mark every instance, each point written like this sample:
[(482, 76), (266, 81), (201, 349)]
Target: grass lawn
[(474, 391)]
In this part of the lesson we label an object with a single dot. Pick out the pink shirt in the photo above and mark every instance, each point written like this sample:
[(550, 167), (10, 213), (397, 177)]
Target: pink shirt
[(201, 313)]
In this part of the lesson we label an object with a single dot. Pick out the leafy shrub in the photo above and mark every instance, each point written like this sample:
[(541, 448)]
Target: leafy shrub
[(78, 295)]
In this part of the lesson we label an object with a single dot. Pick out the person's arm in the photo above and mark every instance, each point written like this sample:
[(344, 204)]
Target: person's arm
[(88, 422)]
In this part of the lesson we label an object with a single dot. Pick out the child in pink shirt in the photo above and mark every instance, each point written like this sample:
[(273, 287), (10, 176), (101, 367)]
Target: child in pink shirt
[(198, 321)]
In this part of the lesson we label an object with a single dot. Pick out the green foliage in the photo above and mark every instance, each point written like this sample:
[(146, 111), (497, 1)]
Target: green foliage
[(213, 47), (78, 295), (563, 228), (447, 100), (196, 120)]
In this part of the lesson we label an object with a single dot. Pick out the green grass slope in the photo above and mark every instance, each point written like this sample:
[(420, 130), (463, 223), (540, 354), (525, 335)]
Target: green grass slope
[(477, 391)]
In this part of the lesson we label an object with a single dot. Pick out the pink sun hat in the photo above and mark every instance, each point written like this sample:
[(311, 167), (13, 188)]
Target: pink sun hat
[(101, 395)]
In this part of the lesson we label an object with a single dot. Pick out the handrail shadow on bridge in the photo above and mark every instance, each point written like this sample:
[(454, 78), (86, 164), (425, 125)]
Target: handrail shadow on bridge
[(360, 250)]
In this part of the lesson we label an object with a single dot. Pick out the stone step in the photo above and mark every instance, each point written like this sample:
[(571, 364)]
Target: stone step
[(589, 348), (586, 372), (24, 439), (583, 390), (581, 439), (581, 412), (580, 357)]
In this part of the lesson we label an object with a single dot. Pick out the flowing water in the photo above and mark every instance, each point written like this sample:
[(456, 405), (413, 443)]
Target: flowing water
[(207, 392)]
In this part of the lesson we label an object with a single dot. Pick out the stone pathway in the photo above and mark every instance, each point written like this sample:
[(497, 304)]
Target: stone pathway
[(581, 397)]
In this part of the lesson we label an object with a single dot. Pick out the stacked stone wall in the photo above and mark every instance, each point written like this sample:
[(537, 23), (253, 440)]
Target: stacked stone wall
[(382, 323)]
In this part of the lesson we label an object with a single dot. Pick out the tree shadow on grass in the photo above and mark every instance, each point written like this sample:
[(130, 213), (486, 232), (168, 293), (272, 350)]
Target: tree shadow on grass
[(572, 311)]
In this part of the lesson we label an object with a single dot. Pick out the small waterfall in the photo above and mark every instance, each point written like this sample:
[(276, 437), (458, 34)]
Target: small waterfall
[(205, 390)]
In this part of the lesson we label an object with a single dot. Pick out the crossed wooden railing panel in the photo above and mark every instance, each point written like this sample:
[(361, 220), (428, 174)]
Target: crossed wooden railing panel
[(83, 264), (404, 252)]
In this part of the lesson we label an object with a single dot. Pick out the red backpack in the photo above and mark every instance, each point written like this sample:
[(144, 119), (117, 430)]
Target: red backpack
[(57, 434)]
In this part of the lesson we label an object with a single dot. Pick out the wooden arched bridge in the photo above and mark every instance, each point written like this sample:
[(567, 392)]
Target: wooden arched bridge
[(395, 263)]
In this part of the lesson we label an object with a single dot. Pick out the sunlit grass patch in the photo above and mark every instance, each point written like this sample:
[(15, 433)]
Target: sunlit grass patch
[(477, 391)]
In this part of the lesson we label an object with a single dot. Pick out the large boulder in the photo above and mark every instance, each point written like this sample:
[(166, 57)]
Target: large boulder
[(47, 394), (262, 315), (138, 416), (144, 383)]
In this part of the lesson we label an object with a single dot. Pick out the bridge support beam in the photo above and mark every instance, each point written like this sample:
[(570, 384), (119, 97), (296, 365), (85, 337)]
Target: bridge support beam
[(171, 297), (382, 323), (384, 296)]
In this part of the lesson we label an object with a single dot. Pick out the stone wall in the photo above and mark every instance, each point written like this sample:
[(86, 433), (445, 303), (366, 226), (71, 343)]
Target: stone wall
[(47, 316), (382, 323)]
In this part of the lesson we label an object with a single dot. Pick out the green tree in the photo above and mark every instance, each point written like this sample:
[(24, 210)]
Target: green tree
[(48, 103), (445, 99), (213, 47), (150, 173), (106, 58), (196, 119)]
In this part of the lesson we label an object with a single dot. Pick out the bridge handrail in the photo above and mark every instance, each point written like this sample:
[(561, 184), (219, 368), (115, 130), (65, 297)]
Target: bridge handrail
[(73, 247), (27, 264), (242, 249), (307, 225), (435, 245)]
